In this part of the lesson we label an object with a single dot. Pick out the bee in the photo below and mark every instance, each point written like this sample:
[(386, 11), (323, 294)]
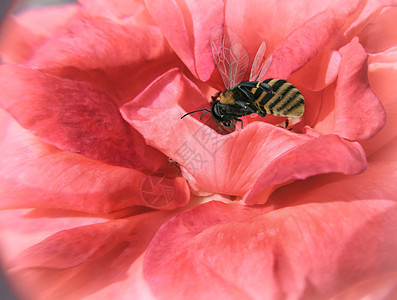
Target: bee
[(257, 95)]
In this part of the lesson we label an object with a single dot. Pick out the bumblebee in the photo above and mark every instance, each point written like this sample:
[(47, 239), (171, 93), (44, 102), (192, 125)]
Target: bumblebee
[(258, 95)]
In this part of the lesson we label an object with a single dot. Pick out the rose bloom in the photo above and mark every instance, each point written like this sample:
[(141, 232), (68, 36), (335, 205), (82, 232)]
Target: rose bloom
[(107, 194)]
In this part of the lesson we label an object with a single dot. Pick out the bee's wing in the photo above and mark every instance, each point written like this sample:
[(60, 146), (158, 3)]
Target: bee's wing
[(238, 61), (218, 53), (232, 62), (258, 70)]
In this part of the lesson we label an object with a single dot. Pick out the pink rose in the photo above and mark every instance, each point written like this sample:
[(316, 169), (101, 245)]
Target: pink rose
[(107, 194)]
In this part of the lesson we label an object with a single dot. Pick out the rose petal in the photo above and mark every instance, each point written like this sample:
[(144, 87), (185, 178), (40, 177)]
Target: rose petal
[(303, 44), (133, 287), (187, 26), (23, 228), (358, 111), (117, 9), (70, 248), (73, 116), (325, 154), (310, 251), (24, 33), (378, 35), (92, 42), (34, 174), (319, 72), (226, 164), (293, 41), (382, 76), (63, 265)]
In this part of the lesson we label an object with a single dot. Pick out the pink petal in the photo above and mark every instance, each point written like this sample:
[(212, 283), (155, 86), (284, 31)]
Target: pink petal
[(94, 42), (359, 113), (117, 9), (227, 164), (310, 251), (24, 33), (73, 116), (375, 27), (73, 247), (34, 174), (293, 41), (187, 26), (23, 228), (326, 154), (303, 44), (382, 76), (70, 264), (133, 287), (319, 72)]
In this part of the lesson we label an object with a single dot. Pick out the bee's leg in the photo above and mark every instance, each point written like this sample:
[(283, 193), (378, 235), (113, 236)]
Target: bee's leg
[(239, 120), (246, 90), (265, 87), (261, 113)]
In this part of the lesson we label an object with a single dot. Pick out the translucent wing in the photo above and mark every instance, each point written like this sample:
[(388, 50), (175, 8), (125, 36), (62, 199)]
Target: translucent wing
[(232, 62), (257, 61), (258, 70), (218, 53), (238, 60)]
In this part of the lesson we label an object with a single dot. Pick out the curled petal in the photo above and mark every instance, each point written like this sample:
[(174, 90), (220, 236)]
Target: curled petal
[(322, 155), (73, 116), (382, 76), (375, 25), (311, 251), (358, 111)]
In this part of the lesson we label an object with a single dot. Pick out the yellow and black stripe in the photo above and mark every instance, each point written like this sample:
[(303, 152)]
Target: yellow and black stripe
[(285, 101)]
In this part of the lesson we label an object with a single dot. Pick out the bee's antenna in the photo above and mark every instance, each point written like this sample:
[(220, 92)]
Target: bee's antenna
[(206, 111), (204, 114)]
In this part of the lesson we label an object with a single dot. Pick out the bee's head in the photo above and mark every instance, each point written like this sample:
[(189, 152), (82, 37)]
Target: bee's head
[(219, 116)]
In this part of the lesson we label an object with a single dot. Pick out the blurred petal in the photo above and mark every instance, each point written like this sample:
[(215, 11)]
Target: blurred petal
[(133, 287), (187, 25), (72, 258), (23, 228), (310, 251), (34, 174), (73, 116), (117, 9), (24, 33), (228, 164), (94, 42)]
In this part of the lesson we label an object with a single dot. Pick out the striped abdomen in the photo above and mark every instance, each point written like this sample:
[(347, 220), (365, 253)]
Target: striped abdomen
[(285, 101)]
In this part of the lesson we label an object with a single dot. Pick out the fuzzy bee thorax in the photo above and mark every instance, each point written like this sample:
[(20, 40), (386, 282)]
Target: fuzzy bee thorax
[(227, 97)]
